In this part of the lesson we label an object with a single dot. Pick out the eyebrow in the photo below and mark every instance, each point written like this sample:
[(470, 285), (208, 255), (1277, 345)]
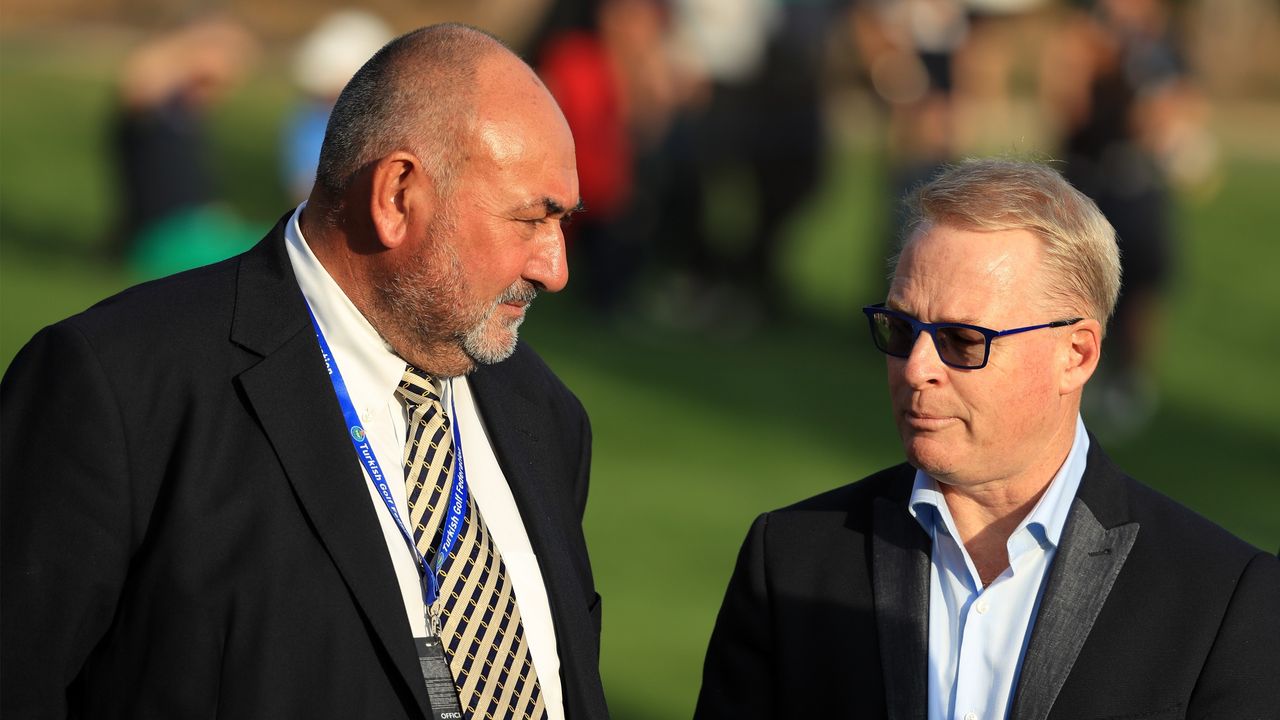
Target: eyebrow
[(554, 208), (954, 321)]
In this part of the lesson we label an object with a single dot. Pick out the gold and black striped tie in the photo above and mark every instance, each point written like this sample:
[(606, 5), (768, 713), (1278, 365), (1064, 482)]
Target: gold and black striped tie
[(481, 628)]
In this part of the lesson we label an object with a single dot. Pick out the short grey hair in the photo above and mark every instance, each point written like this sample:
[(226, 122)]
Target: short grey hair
[(414, 94), (1081, 254)]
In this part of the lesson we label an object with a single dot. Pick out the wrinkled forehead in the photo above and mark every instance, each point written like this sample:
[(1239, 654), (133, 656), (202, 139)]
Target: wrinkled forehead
[(516, 115), (522, 145), (946, 264)]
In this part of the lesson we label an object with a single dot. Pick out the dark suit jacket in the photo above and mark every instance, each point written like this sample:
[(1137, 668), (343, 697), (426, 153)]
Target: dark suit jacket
[(1149, 612), (187, 532)]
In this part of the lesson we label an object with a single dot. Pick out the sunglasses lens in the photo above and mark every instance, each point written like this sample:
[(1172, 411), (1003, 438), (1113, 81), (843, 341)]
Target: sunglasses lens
[(958, 346), (961, 347), (892, 334)]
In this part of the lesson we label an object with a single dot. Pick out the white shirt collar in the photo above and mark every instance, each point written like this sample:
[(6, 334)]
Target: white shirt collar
[(348, 333), (1047, 519)]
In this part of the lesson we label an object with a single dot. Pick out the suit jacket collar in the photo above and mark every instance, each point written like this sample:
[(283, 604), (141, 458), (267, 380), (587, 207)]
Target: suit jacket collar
[(290, 393), (1095, 543), (900, 586), (513, 416)]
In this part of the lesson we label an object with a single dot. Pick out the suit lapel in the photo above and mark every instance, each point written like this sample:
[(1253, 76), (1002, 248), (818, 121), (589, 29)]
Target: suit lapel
[(290, 393), (514, 422), (1089, 558), (900, 581)]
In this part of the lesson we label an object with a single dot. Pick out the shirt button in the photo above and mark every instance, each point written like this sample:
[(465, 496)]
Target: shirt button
[(971, 716), (982, 607)]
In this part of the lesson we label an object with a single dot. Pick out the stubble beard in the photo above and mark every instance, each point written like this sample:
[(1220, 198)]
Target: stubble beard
[(493, 339), (427, 308)]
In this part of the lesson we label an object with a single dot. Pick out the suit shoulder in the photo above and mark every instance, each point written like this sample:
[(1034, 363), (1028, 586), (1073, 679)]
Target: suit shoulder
[(526, 361), (162, 310), (893, 483), (1183, 529), (526, 369), (1115, 498), (848, 506), (156, 329)]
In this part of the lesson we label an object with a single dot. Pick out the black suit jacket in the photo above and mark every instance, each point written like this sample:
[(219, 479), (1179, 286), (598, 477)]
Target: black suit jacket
[(187, 532), (1149, 611)]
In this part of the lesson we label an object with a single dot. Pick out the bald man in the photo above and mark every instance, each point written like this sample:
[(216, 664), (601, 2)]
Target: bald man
[(242, 491)]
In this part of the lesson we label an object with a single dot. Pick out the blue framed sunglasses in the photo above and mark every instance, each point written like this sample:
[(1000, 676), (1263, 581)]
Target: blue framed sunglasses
[(966, 347)]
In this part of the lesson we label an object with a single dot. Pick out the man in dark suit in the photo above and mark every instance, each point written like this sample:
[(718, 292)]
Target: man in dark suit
[(195, 519), (1008, 569)]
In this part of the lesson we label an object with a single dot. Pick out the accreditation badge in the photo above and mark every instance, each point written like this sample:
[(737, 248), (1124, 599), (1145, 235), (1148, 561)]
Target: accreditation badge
[(438, 678)]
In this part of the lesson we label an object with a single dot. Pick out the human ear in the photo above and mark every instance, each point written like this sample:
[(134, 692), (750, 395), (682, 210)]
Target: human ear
[(1081, 351), (401, 196)]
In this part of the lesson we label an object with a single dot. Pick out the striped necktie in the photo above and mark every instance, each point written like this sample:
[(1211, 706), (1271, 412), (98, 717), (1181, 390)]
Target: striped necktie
[(480, 621)]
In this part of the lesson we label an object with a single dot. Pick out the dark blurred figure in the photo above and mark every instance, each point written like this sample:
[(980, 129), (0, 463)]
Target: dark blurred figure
[(908, 50), (763, 126), (1115, 79), (606, 64), (996, 61), (325, 60), (784, 142), (170, 219), (671, 102)]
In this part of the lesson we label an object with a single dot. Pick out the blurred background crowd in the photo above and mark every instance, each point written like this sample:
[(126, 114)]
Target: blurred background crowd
[(741, 162)]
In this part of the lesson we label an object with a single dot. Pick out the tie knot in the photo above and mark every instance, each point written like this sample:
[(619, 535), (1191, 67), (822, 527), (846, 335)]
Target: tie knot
[(417, 388)]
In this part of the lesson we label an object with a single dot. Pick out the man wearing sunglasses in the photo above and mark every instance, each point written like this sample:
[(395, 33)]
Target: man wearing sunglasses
[(1008, 569)]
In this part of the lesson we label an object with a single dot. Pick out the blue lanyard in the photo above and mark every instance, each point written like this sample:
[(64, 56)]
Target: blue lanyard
[(457, 500)]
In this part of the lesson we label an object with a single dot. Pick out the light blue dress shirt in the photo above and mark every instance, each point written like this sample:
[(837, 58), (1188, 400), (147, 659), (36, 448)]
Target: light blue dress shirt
[(977, 636)]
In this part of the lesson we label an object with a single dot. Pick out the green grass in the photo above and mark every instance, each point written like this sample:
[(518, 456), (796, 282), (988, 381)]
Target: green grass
[(695, 436), (748, 427)]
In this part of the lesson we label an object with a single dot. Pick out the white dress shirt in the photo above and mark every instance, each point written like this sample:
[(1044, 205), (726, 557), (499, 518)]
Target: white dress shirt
[(977, 636), (372, 372)]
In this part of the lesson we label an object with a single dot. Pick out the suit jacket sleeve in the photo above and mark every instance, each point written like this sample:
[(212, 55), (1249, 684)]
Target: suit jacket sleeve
[(70, 518), (582, 478), (1239, 678), (580, 498), (738, 677)]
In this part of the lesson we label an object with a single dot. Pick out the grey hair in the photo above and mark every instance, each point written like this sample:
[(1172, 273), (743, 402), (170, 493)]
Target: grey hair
[(414, 94), (1080, 250)]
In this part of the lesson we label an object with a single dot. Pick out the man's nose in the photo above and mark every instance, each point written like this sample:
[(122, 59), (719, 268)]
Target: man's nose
[(923, 366), (548, 268)]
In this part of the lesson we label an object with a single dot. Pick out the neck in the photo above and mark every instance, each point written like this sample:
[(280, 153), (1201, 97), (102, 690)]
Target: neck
[(986, 514), (339, 253), (332, 246), (985, 520)]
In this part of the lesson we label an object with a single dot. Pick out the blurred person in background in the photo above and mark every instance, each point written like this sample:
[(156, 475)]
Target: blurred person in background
[(908, 50), (609, 69), (1008, 568), (1132, 126), (325, 60), (681, 99), (242, 490), (753, 122), (775, 124), (995, 64), (172, 214)]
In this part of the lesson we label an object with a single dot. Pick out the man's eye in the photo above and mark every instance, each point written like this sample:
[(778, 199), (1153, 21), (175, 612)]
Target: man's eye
[(962, 337)]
